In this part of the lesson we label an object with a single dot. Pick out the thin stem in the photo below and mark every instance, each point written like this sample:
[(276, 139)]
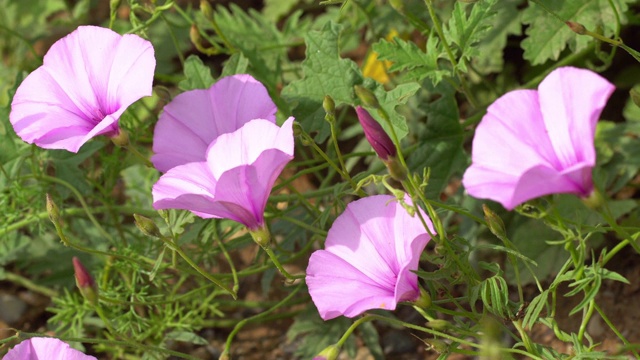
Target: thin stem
[(28, 284), (241, 324), (173, 246), (279, 266)]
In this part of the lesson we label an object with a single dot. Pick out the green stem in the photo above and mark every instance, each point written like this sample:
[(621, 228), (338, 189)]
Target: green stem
[(443, 40), (173, 246), (28, 284), (241, 324), (279, 266)]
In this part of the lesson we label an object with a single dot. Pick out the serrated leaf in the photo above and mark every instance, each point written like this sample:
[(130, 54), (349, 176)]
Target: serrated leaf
[(506, 22), (441, 145), (325, 73), (465, 31), (237, 64), (548, 36), (406, 55), (315, 334), (197, 75)]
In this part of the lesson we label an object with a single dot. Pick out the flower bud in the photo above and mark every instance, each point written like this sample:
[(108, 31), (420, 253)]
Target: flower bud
[(53, 211), (121, 139), (576, 27), (366, 96), (194, 35), (438, 324), (594, 201), (329, 353), (396, 170), (147, 226), (85, 282), (261, 236), (297, 129), (329, 105), (635, 96), (495, 224), (436, 345), (206, 9), (397, 5), (114, 4), (424, 301), (377, 137)]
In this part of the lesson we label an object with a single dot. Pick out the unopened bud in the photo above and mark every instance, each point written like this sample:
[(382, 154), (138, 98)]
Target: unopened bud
[(495, 224), (194, 35), (594, 201), (366, 96), (147, 226), (85, 282), (53, 211), (436, 345), (113, 5), (438, 324), (635, 96), (397, 5), (331, 352), (329, 105), (297, 129), (424, 301), (396, 170), (576, 27), (261, 236), (375, 134), (206, 9), (121, 139)]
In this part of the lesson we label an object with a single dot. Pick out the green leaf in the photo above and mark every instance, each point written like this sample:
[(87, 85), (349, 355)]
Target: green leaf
[(529, 239), (465, 31), (237, 64), (186, 336), (315, 334), (548, 36), (198, 75), (489, 57), (406, 55), (534, 309), (371, 338), (325, 73), (441, 141)]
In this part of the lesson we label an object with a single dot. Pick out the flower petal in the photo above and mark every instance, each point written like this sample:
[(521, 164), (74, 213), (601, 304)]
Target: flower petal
[(189, 187), (370, 253), (190, 122), (87, 80), (338, 288), (40, 348), (571, 101)]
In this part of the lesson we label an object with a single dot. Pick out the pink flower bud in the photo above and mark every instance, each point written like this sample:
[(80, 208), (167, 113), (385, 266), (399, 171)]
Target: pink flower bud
[(85, 282), (377, 137)]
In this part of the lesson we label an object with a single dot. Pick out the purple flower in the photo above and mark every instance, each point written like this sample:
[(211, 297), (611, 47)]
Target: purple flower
[(41, 348), (369, 255), (86, 81), (376, 135), (193, 119), (534, 143), (236, 177)]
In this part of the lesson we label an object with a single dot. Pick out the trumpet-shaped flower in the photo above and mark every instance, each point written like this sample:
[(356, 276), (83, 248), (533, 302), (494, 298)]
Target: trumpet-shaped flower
[(193, 119), (87, 80), (370, 252), (539, 142), (236, 177), (40, 348)]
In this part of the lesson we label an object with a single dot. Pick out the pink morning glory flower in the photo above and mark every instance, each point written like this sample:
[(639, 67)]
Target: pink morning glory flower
[(41, 348), (193, 119), (87, 80), (539, 142), (370, 252), (236, 177)]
